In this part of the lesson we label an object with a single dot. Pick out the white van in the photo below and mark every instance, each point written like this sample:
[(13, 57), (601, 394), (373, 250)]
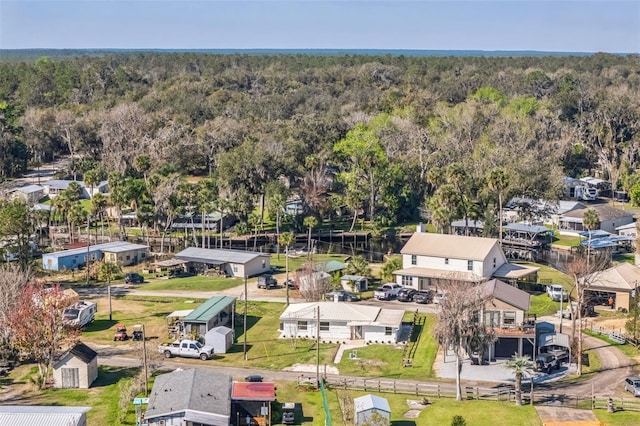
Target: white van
[(557, 292)]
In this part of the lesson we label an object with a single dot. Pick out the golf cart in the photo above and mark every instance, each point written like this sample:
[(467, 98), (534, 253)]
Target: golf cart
[(137, 332), (288, 413), (121, 332)]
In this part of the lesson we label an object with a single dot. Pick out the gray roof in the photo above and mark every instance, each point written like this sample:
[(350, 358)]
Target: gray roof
[(506, 293), (196, 393), (30, 189), (114, 247), (218, 256), (523, 227), (62, 183), (39, 415), (369, 402)]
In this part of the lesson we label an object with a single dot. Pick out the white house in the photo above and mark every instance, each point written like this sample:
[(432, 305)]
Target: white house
[(77, 368), (628, 230), (54, 187), (610, 219), (365, 406), (341, 322), (30, 194), (429, 259)]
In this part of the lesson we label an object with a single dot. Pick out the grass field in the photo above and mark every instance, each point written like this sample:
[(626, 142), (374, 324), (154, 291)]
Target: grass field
[(197, 283)]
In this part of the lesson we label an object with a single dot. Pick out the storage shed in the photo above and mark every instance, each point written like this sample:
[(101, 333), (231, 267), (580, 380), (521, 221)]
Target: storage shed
[(76, 368), (216, 311), (220, 338), (365, 406)]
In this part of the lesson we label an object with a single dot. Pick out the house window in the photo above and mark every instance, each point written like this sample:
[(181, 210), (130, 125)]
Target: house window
[(302, 325), (144, 255), (469, 265), (235, 268), (388, 331), (446, 260), (509, 318), (281, 326), (414, 259), (407, 281), (128, 257), (492, 318), (324, 326)]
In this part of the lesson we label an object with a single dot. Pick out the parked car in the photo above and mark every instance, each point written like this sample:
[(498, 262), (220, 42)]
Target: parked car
[(632, 384), (291, 283), (133, 278), (406, 294), (288, 413), (179, 273), (423, 297), (254, 378), (546, 362), (267, 281), (343, 296), (438, 298), (557, 292)]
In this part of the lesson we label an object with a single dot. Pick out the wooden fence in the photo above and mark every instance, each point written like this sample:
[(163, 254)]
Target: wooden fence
[(496, 393)]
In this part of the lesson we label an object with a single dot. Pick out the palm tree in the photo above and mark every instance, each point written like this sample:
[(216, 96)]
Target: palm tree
[(591, 221), (285, 240), (498, 181), (520, 365), (254, 221), (310, 222)]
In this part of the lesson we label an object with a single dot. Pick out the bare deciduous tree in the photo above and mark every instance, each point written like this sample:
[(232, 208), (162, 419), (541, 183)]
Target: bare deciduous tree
[(12, 280), (459, 326), (313, 280), (585, 270)]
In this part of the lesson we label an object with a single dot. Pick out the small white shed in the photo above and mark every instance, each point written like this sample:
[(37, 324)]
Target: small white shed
[(77, 368), (365, 406), (220, 338)]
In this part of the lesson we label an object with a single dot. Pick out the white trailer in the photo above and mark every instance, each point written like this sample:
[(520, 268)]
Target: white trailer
[(80, 314)]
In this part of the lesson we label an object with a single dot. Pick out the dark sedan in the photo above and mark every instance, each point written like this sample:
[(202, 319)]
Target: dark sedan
[(342, 296), (423, 297), (406, 294)]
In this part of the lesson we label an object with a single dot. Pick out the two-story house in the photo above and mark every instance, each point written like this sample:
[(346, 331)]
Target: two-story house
[(430, 259)]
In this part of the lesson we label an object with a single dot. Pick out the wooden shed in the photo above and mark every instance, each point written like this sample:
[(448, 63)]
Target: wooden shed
[(76, 368)]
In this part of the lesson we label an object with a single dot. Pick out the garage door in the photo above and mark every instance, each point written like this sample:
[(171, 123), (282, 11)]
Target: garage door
[(506, 347)]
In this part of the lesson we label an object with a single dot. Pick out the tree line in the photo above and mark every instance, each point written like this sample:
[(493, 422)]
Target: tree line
[(386, 138)]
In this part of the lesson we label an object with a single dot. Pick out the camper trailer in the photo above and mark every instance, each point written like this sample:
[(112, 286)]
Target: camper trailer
[(79, 314)]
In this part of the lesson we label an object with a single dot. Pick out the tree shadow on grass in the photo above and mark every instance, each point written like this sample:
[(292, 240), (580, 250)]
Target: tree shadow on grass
[(111, 375), (100, 325), (403, 423)]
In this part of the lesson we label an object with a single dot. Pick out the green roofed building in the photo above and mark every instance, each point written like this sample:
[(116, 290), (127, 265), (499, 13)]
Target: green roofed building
[(216, 311)]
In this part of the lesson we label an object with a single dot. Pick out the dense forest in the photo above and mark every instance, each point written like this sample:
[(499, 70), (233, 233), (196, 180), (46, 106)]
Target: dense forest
[(385, 137)]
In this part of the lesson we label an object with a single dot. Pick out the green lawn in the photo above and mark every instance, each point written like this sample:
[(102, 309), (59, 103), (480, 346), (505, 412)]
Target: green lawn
[(566, 240), (629, 350), (386, 360), (296, 262), (542, 305), (441, 411), (197, 283)]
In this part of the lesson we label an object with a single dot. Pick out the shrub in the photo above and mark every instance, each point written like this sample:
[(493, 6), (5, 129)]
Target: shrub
[(458, 421)]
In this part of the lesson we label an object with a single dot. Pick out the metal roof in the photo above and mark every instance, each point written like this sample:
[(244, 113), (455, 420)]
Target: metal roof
[(369, 402), (449, 246), (39, 415), (355, 278), (343, 311), (253, 391), (523, 227), (209, 309), (218, 256), (598, 233), (606, 241), (559, 339), (179, 314), (471, 224), (116, 246), (30, 189)]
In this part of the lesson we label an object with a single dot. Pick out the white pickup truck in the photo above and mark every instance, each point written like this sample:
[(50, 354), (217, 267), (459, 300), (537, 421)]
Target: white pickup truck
[(186, 349), (387, 291)]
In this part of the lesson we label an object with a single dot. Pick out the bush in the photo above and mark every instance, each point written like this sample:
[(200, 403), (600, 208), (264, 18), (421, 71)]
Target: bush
[(458, 421)]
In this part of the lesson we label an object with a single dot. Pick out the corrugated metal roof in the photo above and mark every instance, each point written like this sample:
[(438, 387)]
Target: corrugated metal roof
[(523, 227), (368, 402), (39, 415), (209, 309), (449, 246), (30, 189), (507, 293), (253, 391), (218, 256), (344, 311), (439, 273), (110, 247), (559, 339)]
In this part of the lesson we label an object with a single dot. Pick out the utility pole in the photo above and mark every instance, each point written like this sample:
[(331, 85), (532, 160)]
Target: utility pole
[(318, 347), (144, 361), (244, 322)]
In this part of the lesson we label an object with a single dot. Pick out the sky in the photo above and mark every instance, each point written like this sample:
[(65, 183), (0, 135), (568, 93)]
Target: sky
[(513, 25)]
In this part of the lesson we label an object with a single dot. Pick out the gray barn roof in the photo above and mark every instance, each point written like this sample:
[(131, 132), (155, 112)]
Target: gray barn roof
[(218, 256), (114, 247), (40, 415), (197, 393)]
